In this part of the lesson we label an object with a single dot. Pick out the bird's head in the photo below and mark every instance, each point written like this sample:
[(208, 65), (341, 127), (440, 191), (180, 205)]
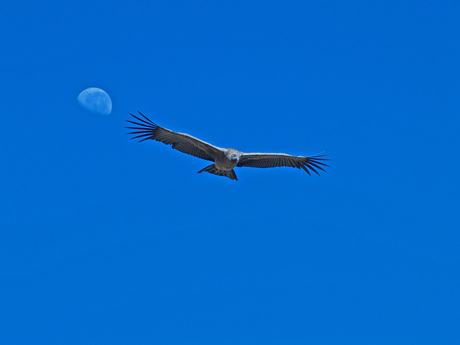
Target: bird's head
[(234, 158)]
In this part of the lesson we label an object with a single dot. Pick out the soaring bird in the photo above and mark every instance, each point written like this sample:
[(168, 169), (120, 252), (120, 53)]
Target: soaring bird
[(224, 159)]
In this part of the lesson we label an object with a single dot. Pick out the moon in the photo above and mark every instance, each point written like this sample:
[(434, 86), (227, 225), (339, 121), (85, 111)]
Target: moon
[(95, 100)]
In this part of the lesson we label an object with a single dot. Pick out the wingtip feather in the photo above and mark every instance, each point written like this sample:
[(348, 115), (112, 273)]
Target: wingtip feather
[(145, 127)]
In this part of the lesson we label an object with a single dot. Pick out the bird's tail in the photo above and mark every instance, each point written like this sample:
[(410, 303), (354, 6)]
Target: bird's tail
[(213, 170)]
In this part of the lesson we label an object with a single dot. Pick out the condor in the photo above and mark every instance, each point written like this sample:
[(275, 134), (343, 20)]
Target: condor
[(224, 159)]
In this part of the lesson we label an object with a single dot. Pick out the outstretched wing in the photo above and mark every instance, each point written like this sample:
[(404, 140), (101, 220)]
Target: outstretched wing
[(271, 160), (146, 129)]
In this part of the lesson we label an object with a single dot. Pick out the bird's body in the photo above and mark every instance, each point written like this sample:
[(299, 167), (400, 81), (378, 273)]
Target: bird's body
[(225, 160)]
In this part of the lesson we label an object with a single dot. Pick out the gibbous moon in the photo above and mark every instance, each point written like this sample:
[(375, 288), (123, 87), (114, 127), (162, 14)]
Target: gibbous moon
[(95, 100)]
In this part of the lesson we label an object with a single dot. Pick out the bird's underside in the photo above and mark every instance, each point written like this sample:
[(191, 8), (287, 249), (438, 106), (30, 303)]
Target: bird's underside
[(224, 159)]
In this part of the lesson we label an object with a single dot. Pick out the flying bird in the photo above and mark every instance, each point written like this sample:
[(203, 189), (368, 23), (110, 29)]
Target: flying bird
[(224, 159)]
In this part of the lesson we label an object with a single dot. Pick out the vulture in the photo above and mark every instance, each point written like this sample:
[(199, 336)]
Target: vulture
[(224, 160)]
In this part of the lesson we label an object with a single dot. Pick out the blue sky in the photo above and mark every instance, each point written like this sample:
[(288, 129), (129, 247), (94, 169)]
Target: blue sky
[(107, 241)]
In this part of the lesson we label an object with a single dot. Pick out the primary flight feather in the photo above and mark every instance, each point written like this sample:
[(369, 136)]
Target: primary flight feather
[(224, 159)]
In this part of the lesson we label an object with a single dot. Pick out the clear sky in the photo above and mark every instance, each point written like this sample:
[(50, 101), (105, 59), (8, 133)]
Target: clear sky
[(104, 240)]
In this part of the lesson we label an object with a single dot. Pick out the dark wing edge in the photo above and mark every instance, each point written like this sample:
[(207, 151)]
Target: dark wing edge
[(146, 129), (272, 160)]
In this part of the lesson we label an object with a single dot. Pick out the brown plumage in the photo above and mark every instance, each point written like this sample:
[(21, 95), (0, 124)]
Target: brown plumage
[(224, 159)]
